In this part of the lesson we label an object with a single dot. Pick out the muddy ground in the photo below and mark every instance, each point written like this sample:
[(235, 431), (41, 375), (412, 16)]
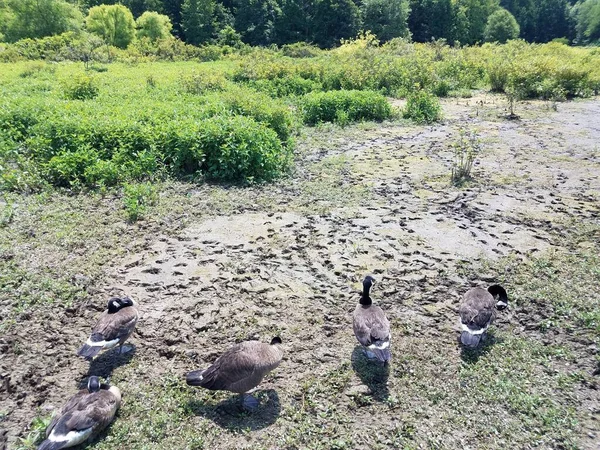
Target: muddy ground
[(213, 265)]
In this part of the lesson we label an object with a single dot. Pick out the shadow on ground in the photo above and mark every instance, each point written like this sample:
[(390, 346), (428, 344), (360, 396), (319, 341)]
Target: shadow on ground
[(471, 356), (104, 365), (230, 415), (373, 374)]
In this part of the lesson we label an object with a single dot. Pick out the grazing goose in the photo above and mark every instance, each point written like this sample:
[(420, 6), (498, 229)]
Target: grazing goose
[(240, 369), (477, 312), (113, 328), (85, 415), (371, 327)]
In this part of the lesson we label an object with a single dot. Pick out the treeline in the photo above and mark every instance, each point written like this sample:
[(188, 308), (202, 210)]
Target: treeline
[(321, 22)]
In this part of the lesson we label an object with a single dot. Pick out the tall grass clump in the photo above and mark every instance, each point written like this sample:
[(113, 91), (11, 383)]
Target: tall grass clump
[(422, 107), (344, 106), (466, 149)]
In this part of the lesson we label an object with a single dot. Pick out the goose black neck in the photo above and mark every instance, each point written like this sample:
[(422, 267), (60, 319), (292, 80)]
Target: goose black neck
[(365, 298)]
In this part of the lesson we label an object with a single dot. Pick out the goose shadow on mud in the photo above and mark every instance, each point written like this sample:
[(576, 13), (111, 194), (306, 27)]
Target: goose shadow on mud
[(471, 356), (104, 364), (230, 415), (373, 374)]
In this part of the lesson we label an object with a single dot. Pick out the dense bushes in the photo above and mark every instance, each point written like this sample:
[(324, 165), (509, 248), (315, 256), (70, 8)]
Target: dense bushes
[(344, 106), (422, 107)]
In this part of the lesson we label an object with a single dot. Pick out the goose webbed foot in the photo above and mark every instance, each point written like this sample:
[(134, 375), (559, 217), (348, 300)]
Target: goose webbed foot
[(249, 403)]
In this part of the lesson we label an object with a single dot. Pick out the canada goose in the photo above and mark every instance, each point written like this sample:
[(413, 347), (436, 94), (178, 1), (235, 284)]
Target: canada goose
[(113, 328), (240, 369), (85, 414), (371, 327), (477, 312)]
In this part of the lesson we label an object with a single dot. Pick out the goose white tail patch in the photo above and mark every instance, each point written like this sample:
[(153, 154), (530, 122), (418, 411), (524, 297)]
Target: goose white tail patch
[(72, 437), (103, 344), (502, 304), (469, 330), (380, 345)]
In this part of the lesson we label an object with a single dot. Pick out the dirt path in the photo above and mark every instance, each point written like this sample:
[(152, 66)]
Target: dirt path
[(364, 200)]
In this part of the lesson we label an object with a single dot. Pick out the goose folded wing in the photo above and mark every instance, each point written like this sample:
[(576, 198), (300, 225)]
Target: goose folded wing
[(97, 412), (476, 318), (234, 366), (71, 405), (115, 326)]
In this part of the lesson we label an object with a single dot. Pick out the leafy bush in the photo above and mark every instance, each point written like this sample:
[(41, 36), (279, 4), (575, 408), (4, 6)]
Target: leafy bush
[(286, 87), (422, 107), (81, 87), (344, 106), (202, 82), (137, 198), (239, 148), (301, 50)]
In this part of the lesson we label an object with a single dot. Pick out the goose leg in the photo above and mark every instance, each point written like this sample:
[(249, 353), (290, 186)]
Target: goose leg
[(249, 403)]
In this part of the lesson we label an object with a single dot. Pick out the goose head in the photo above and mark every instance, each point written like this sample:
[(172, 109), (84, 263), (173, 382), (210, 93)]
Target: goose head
[(117, 303), (93, 384)]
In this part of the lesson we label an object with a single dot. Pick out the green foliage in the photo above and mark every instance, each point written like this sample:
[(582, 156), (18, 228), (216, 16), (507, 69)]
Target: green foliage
[(229, 37), (344, 107), (202, 82), (136, 199), (501, 27), (587, 15), (32, 19), (239, 148), (81, 87), (333, 21), (387, 19), (255, 20), (300, 50), (422, 107), (36, 434), (286, 87), (197, 20), (153, 26), (113, 23)]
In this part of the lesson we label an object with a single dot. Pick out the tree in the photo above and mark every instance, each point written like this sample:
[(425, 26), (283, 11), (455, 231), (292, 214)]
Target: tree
[(154, 26), (552, 20), (295, 21), (431, 19), (477, 13), (387, 19), (197, 20), (255, 20), (501, 27), (38, 18), (334, 20), (113, 23), (587, 15), (137, 7)]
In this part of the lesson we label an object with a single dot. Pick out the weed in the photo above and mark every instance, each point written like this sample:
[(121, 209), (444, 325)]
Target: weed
[(37, 432), (466, 149), (137, 198)]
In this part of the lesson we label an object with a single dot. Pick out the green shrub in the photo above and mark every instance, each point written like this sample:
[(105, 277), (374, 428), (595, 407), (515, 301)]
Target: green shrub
[(344, 106), (286, 87), (422, 107), (68, 169), (81, 87), (239, 148), (202, 82), (301, 50), (137, 198)]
